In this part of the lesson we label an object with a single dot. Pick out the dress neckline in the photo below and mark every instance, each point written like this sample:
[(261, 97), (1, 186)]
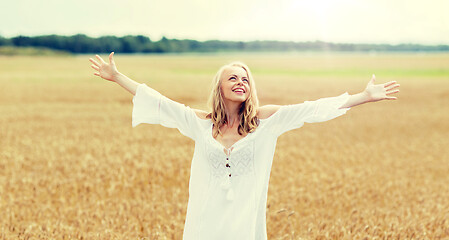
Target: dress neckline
[(238, 142), (233, 146)]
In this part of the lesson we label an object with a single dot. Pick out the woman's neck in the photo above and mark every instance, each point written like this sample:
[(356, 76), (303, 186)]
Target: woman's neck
[(232, 112)]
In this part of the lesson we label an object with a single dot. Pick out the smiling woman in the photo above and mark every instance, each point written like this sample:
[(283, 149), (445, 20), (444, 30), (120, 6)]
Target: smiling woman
[(234, 144)]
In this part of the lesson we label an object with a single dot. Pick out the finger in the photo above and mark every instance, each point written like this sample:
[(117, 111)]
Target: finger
[(96, 74), (373, 78), (389, 83), (391, 98), (392, 92), (94, 62), (392, 87), (95, 67), (100, 59), (111, 58)]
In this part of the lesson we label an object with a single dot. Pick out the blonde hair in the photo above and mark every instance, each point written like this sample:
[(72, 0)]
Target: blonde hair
[(248, 110)]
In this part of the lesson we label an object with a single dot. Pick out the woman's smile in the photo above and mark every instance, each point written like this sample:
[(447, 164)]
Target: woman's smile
[(235, 80)]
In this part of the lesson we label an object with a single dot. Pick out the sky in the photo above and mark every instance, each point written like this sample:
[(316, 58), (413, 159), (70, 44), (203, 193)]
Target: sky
[(339, 21)]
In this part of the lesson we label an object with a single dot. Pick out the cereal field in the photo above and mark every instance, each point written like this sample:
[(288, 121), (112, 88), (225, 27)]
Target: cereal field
[(72, 167)]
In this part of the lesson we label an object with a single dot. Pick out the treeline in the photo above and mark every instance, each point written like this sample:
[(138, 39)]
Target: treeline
[(81, 43)]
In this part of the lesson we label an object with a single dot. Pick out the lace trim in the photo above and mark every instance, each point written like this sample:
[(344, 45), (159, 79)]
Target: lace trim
[(241, 160)]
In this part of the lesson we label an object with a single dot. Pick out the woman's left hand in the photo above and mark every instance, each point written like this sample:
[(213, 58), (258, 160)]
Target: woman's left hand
[(380, 91)]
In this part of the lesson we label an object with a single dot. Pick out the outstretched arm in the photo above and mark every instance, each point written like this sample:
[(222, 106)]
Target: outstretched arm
[(373, 93), (108, 71)]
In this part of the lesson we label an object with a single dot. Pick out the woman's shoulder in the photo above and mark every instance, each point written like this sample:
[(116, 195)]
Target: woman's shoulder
[(266, 111), (203, 115)]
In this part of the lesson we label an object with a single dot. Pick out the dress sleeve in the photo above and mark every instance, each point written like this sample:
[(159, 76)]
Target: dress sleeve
[(149, 106), (289, 117)]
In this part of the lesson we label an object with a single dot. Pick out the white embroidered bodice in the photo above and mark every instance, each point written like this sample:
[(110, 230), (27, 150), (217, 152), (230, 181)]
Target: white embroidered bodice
[(238, 162)]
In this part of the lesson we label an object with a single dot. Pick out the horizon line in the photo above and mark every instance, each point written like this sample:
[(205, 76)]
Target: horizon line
[(229, 40)]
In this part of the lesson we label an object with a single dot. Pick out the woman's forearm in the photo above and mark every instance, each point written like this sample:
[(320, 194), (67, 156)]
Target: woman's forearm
[(356, 99), (126, 82)]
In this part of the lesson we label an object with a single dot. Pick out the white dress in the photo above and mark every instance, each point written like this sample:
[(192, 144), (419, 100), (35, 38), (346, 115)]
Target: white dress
[(228, 187)]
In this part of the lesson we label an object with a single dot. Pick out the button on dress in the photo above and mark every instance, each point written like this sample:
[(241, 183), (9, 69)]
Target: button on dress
[(228, 186)]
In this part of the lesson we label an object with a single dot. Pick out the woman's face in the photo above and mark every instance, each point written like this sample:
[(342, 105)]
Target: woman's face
[(235, 84)]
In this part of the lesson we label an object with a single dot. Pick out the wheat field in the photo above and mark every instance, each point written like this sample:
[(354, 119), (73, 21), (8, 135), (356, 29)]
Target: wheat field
[(72, 167)]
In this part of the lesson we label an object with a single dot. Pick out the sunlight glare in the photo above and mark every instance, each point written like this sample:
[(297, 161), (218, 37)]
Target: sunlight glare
[(319, 8)]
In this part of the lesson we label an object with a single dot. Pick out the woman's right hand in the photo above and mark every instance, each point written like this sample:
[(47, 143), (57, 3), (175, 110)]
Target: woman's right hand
[(105, 70)]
